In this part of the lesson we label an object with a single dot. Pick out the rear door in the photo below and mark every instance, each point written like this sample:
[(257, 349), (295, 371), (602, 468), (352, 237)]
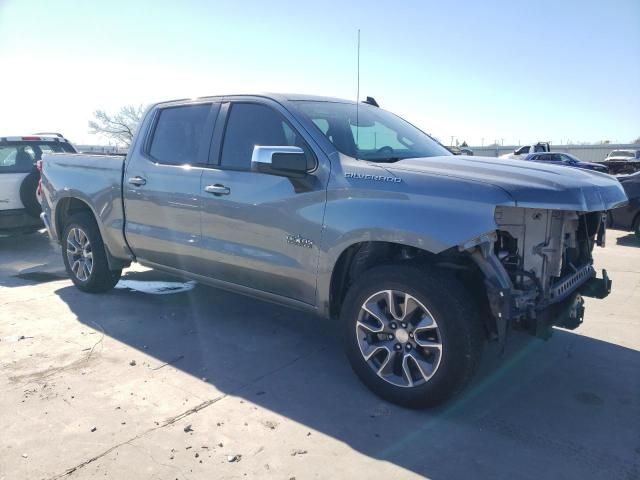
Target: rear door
[(264, 231), (162, 182)]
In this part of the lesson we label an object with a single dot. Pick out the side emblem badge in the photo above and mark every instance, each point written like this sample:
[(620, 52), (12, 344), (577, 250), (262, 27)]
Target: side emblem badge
[(376, 178), (299, 241)]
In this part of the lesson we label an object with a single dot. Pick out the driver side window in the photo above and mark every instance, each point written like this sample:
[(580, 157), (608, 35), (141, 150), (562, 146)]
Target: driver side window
[(251, 124)]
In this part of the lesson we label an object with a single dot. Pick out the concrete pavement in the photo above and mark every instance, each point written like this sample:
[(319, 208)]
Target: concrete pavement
[(199, 383)]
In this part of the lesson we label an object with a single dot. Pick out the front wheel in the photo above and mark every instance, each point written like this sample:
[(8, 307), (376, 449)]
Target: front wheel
[(84, 255), (412, 337)]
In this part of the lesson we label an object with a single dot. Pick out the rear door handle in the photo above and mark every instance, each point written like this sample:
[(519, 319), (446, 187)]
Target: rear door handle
[(137, 181), (217, 189)]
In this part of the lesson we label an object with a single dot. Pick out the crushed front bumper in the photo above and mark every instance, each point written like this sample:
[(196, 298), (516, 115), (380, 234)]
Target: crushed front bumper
[(569, 311), (565, 309), (597, 287)]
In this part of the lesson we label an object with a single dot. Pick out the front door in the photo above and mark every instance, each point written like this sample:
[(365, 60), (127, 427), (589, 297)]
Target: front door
[(258, 230), (162, 183)]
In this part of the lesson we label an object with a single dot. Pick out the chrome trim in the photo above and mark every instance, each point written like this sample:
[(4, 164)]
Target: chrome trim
[(264, 154), (45, 219)]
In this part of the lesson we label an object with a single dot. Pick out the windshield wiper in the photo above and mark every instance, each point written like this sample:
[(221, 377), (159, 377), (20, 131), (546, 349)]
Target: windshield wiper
[(385, 159)]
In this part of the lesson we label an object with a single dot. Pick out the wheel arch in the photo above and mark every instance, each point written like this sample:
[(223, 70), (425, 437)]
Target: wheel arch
[(68, 206), (65, 208), (358, 257)]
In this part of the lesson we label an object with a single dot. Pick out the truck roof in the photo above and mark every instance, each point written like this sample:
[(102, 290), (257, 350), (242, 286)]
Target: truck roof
[(279, 97)]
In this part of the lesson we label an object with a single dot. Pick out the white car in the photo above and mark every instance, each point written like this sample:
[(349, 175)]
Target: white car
[(525, 150), (19, 178)]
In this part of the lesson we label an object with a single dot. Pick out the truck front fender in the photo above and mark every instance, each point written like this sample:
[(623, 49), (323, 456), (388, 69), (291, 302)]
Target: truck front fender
[(432, 215)]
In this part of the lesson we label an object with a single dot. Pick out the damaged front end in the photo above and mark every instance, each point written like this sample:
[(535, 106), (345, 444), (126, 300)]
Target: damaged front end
[(537, 267)]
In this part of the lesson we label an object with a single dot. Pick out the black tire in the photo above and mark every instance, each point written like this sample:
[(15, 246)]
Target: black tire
[(100, 279), (636, 228), (28, 194), (461, 334)]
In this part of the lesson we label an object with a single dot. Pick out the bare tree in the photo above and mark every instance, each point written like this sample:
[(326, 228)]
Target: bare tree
[(119, 127)]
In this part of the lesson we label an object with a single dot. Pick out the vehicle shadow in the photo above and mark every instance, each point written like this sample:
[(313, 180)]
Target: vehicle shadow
[(629, 240), (564, 408), (28, 259)]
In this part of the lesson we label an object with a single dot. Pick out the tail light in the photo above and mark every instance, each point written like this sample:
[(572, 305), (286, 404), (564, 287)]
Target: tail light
[(39, 167)]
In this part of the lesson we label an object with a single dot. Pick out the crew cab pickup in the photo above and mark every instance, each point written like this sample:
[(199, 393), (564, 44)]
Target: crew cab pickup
[(348, 211)]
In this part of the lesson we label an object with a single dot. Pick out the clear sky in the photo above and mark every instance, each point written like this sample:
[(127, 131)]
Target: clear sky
[(520, 71)]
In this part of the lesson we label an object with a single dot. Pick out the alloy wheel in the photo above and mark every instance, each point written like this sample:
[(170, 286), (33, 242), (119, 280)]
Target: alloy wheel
[(79, 254), (399, 338)]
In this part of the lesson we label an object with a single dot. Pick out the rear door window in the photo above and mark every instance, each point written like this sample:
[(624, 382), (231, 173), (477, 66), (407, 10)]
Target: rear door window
[(178, 136)]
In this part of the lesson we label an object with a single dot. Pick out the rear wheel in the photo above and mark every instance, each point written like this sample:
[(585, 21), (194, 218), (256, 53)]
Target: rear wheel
[(84, 255), (413, 338), (636, 227), (29, 195)]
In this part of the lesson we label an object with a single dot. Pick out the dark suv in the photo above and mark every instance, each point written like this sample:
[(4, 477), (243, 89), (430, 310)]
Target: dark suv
[(628, 217)]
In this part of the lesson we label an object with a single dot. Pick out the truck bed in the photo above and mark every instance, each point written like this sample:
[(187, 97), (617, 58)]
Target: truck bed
[(93, 179)]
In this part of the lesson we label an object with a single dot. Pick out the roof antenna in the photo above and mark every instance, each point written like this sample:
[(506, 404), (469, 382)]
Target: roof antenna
[(358, 101)]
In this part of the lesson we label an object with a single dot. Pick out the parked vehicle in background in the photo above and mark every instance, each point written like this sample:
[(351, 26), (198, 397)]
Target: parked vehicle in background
[(19, 178), (623, 161), (628, 217), (565, 159), (539, 147), (346, 211), (456, 150)]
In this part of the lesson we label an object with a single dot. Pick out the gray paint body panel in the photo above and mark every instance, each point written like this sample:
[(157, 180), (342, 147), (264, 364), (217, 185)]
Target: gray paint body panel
[(242, 239), (95, 180)]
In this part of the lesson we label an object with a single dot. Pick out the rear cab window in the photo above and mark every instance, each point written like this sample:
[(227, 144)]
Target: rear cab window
[(178, 137)]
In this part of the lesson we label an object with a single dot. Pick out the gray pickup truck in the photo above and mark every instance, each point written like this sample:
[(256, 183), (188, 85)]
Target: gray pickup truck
[(347, 211)]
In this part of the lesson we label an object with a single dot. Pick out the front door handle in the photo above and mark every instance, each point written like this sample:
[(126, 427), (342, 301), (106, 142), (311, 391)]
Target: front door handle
[(137, 181), (217, 189)]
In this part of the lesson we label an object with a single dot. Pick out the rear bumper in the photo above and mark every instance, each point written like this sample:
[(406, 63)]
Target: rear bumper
[(45, 219), (18, 220)]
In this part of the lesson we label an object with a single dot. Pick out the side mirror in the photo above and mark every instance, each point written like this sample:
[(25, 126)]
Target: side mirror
[(285, 161)]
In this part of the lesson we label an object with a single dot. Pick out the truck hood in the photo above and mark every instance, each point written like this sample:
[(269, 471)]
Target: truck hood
[(530, 184)]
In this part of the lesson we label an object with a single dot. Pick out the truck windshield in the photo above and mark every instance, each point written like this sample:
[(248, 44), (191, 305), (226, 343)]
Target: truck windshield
[(371, 133)]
